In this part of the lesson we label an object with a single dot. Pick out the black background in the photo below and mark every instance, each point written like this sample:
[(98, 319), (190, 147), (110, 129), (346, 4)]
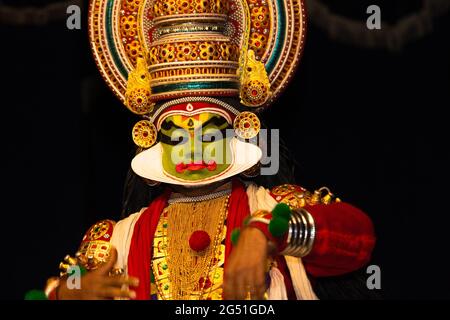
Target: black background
[(368, 123)]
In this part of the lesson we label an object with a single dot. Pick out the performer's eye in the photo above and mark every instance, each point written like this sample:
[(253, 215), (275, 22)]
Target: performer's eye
[(208, 138), (179, 136), (177, 140), (211, 135)]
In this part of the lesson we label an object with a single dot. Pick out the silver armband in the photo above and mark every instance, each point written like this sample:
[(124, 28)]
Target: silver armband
[(301, 234)]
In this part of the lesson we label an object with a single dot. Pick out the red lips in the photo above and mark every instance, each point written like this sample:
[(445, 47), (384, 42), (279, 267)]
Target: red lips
[(195, 166)]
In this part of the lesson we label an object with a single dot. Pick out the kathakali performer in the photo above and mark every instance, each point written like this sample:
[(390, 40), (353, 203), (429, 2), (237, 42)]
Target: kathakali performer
[(199, 73)]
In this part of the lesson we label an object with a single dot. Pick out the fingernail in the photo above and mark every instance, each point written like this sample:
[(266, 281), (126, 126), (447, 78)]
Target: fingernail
[(132, 294)]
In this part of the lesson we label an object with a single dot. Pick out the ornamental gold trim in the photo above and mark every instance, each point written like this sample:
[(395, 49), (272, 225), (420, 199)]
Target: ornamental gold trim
[(138, 94)]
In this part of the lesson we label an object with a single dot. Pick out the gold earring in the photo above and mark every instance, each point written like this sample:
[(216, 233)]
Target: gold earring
[(247, 125), (144, 134)]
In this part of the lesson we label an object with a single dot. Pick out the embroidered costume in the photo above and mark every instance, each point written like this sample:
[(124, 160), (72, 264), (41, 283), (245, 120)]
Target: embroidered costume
[(199, 73)]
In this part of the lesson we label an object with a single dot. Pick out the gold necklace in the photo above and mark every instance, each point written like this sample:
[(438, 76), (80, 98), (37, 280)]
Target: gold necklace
[(187, 267)]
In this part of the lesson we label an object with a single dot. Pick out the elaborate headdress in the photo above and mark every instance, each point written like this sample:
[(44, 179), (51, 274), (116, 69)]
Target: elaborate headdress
[(165, 57)]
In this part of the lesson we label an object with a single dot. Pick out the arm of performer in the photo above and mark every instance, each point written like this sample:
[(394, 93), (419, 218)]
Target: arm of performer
[(96, 284), (95, 261), (343, 242), (332, 239)]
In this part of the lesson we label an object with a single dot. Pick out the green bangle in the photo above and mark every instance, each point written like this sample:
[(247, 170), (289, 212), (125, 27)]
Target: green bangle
[(279, 224), (235, 236), (35, 295)]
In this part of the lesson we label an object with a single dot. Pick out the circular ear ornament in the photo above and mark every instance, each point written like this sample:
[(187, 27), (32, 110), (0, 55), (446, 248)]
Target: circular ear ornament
[(254, 93), (144, 134), (138, 101), (247, 125)]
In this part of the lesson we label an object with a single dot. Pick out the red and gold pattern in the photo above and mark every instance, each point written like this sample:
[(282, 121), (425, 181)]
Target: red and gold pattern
[(192, 31), (101, 54), (282, 74), (129, 29), (100, 230), (260, 26), (297, 197), (144, 134), (122, 31), (95, 246), (247, 125), (254, 92), (138, 100), (170, 75), (193, 51), (294, 196), (174, 7)]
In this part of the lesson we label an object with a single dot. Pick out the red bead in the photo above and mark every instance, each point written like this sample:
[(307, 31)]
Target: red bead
[(199, 240)]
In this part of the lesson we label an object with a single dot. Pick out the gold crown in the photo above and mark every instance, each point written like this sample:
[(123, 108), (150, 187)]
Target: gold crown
[(192, 52), (153, 50), (176, 7)]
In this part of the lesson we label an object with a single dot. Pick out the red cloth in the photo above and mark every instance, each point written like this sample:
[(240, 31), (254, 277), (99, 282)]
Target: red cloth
[(238, 210), (344, 240), (53, 295), (140, 254)]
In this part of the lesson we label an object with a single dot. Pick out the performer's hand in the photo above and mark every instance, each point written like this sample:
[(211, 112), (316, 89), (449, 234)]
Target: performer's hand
[(246, 266), (98, 285)]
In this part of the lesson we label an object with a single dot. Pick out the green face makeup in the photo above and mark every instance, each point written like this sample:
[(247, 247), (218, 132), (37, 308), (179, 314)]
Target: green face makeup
[(196, 147)]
